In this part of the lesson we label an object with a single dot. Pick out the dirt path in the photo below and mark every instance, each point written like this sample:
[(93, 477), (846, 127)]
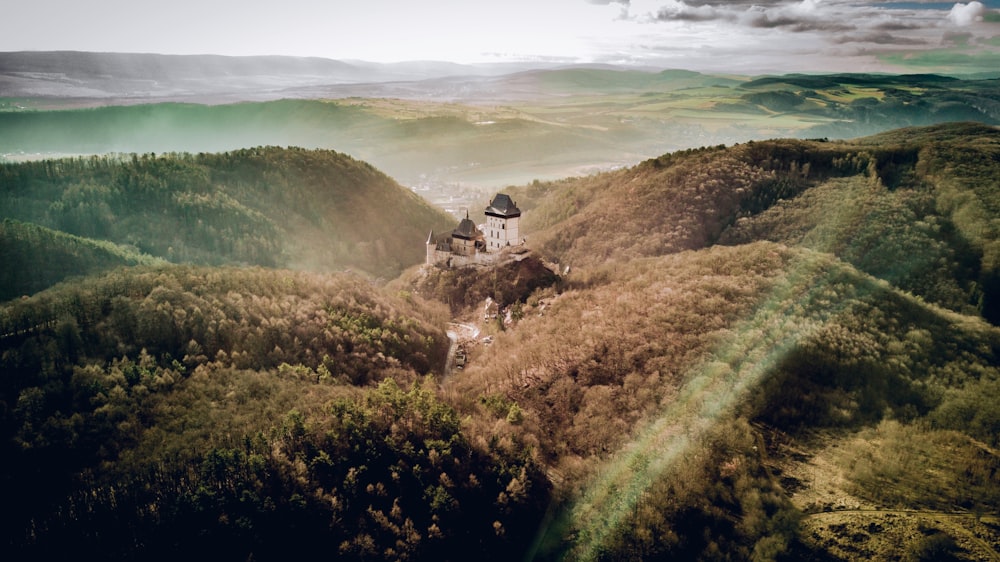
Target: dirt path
[(458, 332)]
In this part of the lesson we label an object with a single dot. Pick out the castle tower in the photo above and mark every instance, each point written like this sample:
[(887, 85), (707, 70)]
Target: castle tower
[(464, 238), (502, 223)]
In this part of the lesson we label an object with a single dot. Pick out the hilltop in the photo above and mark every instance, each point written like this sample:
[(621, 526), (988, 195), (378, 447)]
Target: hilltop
[(268, 206), (911, 207), (712, 401)]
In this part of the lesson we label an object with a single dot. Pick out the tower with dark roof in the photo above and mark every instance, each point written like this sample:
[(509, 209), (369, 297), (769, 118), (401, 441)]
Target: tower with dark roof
[(469, 244), (465, 236), (502, 223)]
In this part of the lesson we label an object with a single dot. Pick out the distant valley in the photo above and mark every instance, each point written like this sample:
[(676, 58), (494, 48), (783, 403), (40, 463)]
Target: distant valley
[(451, 131)]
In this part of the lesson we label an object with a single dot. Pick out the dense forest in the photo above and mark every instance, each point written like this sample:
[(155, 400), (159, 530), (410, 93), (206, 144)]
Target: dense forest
[(268, 206), (921, 210), (654, 409), (178, 411), (36, 257), (778, 350)]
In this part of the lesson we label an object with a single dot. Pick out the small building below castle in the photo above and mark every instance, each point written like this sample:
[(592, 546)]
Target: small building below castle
[(469, 243)]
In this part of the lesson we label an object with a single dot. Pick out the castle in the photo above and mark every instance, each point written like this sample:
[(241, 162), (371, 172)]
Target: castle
[(468, 244)]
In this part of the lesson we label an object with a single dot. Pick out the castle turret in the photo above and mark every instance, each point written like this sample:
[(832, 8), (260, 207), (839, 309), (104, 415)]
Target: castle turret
[(502, 223), (464, 238)]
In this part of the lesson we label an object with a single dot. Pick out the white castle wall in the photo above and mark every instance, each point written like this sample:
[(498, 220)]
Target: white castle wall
[(435, 257), (500, 233)]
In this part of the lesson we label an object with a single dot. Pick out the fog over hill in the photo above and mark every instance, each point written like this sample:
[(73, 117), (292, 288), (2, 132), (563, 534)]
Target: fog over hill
[(131, 77), (450, 132), (314, 210)]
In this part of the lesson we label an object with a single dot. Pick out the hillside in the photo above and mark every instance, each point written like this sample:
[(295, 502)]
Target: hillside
[(731, 374), (414, 141), (814, 399), (36, 257), (277, 207), (779, 350), (180, 411), (912, 207), (685, 411)]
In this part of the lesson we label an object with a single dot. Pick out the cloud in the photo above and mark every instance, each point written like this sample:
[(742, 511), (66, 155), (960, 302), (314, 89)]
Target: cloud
[(879, 39), (957, 38), (782, 34), (795, 16), (682, 11), (742, 5), (800, 16), (967, 14), (895, 25), (771, 19)]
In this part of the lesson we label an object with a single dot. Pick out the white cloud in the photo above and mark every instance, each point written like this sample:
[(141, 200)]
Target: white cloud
[(967, 14), (751, 34), (676, 10)]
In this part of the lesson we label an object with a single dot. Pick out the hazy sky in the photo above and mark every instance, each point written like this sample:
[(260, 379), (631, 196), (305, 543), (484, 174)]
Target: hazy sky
[(791, 35)]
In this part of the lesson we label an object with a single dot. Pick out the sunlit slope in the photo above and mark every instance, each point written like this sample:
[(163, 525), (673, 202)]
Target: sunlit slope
[(913, 207), (264, 206), (654, 410), (35, 257)]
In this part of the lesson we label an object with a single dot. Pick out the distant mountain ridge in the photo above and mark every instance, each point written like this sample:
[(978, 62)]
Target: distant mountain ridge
[(431, 124), (150, 66), (150, 75)]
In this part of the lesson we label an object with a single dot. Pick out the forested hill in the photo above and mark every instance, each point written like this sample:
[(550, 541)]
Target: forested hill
[(726, 400), (36, 257), (281, 207), (916, 207), (772, 351), (235, 413)]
